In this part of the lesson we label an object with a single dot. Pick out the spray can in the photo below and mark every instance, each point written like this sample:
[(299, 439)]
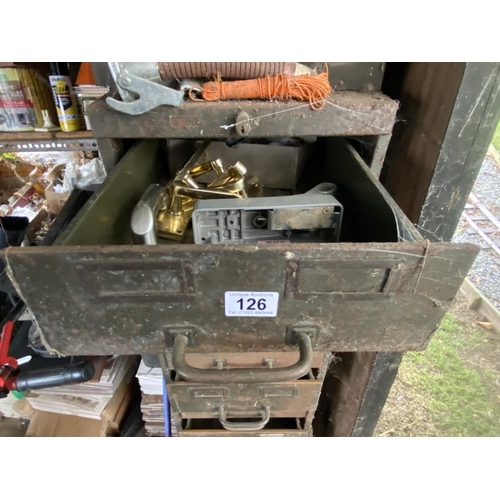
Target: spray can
[(64, 97)]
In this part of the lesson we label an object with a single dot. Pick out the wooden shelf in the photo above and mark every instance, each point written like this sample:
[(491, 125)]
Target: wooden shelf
[(83, 140), (345, 113)]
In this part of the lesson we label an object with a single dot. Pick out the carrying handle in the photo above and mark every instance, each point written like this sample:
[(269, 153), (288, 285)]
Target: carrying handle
[(242, 375), (244, 426)]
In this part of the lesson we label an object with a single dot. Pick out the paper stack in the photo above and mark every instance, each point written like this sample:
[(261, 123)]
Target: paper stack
[(104, 398), (152, 406)]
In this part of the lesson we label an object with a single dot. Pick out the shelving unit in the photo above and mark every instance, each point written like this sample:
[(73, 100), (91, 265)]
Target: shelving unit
[(344, 114), (47, 141), (369, 115)]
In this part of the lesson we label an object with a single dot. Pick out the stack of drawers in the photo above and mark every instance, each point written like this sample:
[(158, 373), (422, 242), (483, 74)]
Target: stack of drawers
[(382, 288), (245, 409)]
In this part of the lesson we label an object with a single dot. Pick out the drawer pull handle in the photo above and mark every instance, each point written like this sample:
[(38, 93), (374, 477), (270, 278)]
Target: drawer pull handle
[(242, 375), (244, 426)]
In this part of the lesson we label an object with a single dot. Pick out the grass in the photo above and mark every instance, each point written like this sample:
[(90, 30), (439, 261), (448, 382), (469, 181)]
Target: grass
[(496, 138), (459, 399)]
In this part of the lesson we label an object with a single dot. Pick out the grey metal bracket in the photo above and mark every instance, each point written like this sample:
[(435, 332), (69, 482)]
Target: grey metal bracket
[(151, 95)]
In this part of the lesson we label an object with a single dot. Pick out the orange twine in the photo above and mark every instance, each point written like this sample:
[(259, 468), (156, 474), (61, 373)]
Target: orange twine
[(312, 88)]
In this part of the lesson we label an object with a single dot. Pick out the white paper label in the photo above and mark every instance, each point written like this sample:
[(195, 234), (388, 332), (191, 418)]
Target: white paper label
[(251, 303)]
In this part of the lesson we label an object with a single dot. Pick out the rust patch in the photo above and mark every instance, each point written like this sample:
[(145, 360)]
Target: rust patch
[(182, 122)]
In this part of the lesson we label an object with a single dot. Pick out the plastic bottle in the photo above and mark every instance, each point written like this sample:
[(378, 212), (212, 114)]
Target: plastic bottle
[(64, 97)]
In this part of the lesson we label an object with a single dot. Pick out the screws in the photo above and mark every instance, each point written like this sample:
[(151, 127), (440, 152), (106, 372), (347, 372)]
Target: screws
[(125, 81)]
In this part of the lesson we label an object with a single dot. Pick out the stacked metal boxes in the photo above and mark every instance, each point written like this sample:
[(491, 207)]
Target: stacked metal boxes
[(258, 408)]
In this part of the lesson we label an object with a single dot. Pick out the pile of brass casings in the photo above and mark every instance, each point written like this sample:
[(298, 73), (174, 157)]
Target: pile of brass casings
[(183, 191)]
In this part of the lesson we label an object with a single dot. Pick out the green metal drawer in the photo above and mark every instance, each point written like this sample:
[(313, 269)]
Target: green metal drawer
[(383, 288)]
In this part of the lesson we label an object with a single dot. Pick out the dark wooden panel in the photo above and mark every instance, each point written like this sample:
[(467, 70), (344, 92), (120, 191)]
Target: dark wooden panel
[(355, 391), (447, 118), (344, 387), (344, 114), (384, 369), (427, 99), (475, 115), (448, 114)]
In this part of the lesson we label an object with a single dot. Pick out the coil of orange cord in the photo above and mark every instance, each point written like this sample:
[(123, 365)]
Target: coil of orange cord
[(312, 88)]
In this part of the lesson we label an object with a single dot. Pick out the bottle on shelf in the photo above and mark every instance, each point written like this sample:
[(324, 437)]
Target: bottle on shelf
[(64, 97)]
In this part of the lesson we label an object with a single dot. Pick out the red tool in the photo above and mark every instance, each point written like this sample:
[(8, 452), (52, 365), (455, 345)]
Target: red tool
[(8, 365), (11, 379)]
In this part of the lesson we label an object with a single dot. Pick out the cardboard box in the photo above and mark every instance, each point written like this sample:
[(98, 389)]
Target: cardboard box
[(55, 201), (44, 424)]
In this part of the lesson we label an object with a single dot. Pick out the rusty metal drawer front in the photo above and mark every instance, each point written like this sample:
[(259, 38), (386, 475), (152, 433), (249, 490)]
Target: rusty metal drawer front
[(262, 433), (284, 425), (238, 360), (342, 279), (242, 375), (410, 287), (273, 432), (377, 294), (204, 400), (167, 281)]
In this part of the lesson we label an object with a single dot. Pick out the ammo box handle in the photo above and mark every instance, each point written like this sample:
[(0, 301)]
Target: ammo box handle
[(244, 426), (242, 375)]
